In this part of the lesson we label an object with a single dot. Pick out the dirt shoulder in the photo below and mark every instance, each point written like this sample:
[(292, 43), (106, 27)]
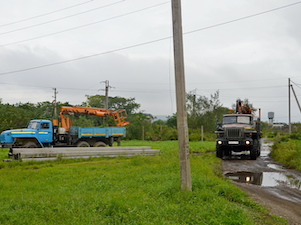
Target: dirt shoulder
[(278, 206), (276, 187)]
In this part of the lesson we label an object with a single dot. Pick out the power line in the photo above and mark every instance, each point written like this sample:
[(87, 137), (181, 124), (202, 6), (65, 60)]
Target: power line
[(189, 32), (81, 58), (85, 25), (244, 18), (297, 85), (45, 14), (145, 43), (55, 20)]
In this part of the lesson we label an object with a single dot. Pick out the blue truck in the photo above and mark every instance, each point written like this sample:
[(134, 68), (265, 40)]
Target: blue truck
[(42, 133)]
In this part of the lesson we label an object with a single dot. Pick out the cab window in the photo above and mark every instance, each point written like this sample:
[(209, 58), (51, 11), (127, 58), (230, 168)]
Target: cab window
[(45, 126)]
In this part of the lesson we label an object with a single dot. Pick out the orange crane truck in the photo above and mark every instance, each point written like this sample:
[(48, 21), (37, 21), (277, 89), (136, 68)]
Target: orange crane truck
[(60, 132)]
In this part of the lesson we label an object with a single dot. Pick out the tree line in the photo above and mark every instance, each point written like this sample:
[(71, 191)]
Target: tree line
[(202, 111)]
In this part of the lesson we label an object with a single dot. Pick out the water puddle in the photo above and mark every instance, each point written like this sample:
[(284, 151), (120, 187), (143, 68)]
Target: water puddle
[(274, 166), (265, 179)]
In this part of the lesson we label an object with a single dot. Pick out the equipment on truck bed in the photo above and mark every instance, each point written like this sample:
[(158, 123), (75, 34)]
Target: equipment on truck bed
[(239, 132), (119, 116)]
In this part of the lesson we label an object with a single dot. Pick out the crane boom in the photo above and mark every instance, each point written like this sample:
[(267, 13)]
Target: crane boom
[(119, 116)]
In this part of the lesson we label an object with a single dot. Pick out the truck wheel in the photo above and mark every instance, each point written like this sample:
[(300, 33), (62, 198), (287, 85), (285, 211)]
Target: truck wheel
[(219, 152), (83, 144), (30, 145), (254, 150), (259, 150), (99, 144)]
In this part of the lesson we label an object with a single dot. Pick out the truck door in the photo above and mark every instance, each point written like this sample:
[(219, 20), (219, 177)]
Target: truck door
[(45, 132)]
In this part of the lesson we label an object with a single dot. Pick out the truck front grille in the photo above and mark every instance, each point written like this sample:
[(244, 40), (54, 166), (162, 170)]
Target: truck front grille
[(233, 133)]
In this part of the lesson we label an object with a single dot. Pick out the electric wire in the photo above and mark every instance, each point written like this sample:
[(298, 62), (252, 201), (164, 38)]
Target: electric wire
[(45, 14), (83, 57), (84, 25), (55, 20), (147, 42), (244, 17)]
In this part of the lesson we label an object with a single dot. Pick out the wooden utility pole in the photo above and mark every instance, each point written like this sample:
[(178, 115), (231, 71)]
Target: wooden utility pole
[(55, 115), (107, 94), (289, 107), (181, 96), (107, 86)]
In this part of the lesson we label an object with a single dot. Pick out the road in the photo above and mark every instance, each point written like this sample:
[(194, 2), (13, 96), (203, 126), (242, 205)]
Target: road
[(268, 182)]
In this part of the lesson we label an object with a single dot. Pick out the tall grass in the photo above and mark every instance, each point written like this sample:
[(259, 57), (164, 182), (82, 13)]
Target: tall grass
[(138, 190), (288, 152)]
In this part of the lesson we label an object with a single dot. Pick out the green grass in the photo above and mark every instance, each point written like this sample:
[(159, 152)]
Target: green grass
[(138, 190), (288, 152)]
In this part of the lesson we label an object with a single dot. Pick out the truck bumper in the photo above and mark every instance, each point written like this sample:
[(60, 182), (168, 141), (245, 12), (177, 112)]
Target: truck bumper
[(235, 145)]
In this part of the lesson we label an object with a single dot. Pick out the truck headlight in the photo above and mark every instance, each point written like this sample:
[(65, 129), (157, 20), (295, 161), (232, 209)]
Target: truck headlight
[(219, 142), (248, 142)]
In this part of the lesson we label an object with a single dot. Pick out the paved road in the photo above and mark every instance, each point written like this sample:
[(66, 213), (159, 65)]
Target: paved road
[(268, 182)]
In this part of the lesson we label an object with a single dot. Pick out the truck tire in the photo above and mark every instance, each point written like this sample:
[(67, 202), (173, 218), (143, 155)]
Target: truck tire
[(99, 144), (254, 150), (219, 152), (30, 145), (83, 144)]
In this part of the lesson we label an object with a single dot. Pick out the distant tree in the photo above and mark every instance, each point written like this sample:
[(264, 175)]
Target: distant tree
[(114, 103), (172, 121), (204, 111)]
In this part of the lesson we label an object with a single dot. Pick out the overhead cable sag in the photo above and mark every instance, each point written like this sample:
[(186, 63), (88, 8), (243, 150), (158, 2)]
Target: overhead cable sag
[(54, 20), (146, 43), (45, 14), (84, 25)]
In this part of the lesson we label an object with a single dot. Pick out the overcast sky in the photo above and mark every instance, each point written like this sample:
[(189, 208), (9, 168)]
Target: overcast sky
[(244, 49)]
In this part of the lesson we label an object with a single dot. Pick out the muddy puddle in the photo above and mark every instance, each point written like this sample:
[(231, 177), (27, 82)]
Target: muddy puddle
[(265, 179)]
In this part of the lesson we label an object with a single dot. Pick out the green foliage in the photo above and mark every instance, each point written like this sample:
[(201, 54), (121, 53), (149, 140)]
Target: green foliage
[(288, 152), (114, 103), (161, 133), (203, 111), (138, 190), (18, 115), (196, 135)]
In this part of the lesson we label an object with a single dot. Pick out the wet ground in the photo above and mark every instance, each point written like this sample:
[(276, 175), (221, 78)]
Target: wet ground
[(268, 182)]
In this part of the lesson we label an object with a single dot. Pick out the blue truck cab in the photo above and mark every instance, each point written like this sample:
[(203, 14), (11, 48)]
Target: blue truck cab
[(39, 133)]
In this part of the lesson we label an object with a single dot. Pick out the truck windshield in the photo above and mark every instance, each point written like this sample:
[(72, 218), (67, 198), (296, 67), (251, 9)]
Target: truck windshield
[(237, 119), (33, 125)]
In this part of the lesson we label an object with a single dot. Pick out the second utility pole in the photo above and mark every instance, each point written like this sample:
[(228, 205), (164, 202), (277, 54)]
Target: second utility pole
[(181, 97)]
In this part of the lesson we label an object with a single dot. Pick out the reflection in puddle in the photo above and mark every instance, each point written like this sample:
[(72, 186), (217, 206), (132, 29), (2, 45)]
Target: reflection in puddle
[(265, 179)]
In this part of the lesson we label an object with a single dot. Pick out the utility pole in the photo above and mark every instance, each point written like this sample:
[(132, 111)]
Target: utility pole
[(55, 104), (289, 107), (181, 96), (107, 86)]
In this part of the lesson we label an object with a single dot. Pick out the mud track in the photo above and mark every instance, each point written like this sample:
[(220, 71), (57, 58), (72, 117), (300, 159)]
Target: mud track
[(268, 182)]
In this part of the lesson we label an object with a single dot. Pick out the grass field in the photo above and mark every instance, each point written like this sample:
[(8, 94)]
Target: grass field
[(288, 152), (138, 190)]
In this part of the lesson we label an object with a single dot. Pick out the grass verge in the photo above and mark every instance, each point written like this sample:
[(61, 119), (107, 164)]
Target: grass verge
[(138, 190), (288, 152)]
